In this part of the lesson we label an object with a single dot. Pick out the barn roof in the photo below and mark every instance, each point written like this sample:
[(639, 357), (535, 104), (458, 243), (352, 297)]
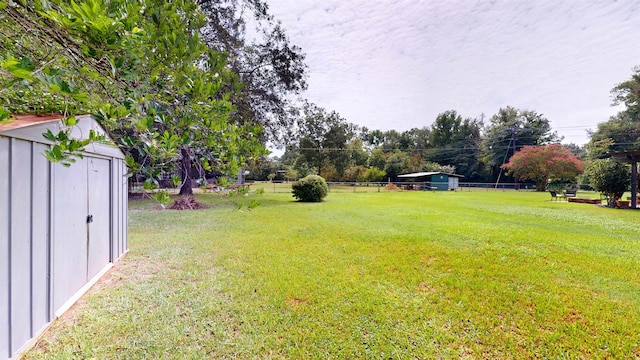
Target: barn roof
[(428, 173)]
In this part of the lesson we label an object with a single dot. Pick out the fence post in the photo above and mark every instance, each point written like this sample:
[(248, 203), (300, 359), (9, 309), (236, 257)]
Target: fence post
[(378, 186)]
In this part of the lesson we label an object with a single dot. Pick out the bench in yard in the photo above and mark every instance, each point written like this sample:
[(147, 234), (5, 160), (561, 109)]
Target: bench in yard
[(571, 193), (556, 196)]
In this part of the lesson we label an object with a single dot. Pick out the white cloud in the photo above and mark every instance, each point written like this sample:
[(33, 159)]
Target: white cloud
[(397, 64)]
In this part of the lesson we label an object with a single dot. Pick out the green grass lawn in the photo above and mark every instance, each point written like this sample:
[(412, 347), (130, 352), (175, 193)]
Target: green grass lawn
[(367, 275)]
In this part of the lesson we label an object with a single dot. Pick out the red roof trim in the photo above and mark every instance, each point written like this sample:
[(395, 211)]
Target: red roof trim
[(20, 121)]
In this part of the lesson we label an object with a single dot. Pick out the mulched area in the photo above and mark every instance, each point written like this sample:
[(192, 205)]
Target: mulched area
[(187, 203)]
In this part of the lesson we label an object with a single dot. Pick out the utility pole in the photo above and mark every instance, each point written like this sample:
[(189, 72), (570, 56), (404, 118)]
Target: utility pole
[(513, 141)]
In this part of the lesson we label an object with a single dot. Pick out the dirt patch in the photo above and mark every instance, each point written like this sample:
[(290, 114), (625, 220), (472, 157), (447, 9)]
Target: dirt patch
[(428, 260), (392, 187), (426, 288), (296, 302), (187, 203), (573, 317)]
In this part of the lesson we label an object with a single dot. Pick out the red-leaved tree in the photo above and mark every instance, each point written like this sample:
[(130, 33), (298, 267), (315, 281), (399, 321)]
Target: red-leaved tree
[(543, 164)]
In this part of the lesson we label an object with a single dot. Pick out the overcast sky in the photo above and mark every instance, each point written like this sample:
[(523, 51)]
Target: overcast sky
[(398, 64)]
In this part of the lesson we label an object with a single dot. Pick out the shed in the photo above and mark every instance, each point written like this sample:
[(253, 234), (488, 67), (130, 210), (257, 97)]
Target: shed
[(61, 228), (438, 180)]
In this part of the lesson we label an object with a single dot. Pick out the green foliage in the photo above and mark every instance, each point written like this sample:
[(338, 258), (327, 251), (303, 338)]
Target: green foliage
[(609, 177), (628, 93), (374, 174), (396, 164), (66, 148), (222, 181), (524, 126), (324, 138), (162, 197), (176, 180), (378, 158), (312, 188), (141, 67), (269, 68), (4, 114), (150, 184), (354, 173), (253, 204), (456, 142), (291, 174), (621, 132), (432, 166)]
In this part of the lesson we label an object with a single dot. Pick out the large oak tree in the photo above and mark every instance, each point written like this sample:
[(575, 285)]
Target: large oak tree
[(140, 66)]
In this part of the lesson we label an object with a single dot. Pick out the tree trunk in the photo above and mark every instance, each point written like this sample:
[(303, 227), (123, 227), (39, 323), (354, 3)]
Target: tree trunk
[(185, 172), (541, 185)]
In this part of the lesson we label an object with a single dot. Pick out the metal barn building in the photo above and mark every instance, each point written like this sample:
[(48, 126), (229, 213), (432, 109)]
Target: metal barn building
[(435, 179), (61, 228)]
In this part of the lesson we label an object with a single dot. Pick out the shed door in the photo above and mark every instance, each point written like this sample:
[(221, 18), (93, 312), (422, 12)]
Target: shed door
[(98, 242), (69, 246), (453, 183), (80, 248)]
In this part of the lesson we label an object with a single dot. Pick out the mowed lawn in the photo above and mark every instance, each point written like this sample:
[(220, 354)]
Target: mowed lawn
[(366, 275)]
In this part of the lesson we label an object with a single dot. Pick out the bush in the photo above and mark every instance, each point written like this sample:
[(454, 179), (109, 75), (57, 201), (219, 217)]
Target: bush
[(312, 188), (609, 177)]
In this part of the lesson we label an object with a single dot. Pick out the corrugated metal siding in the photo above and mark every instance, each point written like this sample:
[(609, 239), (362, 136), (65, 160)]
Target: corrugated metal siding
[(119, 209), (69, 245), (20, 243), (124, 208), (440, 182), (40, 210), (48, 252), (24, 243), (99, 180), (5, 260)]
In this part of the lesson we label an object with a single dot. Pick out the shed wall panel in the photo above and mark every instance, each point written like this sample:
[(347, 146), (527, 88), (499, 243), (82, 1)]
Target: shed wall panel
[(99, 178), (123, 207), (69, 243), (115, 215), (5, 172), (20, 289), (40, 235)]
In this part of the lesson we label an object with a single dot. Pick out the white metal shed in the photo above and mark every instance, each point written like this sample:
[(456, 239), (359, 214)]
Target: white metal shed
[(61, 228)]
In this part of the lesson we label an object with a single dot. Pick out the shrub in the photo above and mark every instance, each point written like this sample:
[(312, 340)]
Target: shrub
[(311, 188), (374, 174), (609, 177)]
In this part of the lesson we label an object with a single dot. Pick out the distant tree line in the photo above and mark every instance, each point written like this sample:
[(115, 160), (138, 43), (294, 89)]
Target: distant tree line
[(481, 149), (328, 145)]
